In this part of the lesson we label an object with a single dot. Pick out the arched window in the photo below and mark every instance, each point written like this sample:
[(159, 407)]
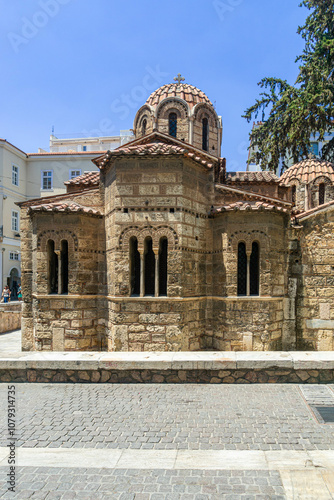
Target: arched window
[(134, 267), (163, 251), (322, 193), (64, 266), (254, 268), (149, 267), (205, 145), (144, 125), (172, 124), (242, 269), (52, 268), (294, 195)]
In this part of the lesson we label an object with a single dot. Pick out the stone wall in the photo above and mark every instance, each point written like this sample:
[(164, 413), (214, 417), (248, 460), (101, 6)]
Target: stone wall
[(10, 316), (158, 198), (312, 265)]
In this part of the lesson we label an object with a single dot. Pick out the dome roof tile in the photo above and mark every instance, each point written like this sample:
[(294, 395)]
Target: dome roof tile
[(308, 170), (192, 95)]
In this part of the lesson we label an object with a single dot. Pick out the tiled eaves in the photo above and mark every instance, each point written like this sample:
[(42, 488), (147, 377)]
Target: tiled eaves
[(251, 177), (255, 196), (65, 207), (315, 211), (87, 179), (257, 206), (57, 198), (152, 150)]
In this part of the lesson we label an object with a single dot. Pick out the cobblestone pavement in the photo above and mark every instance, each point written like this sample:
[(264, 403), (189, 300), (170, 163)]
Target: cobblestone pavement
[(230, 417), (130, 484)]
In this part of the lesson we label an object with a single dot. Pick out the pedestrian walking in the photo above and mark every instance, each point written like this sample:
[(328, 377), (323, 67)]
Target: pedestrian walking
[(6, 294)]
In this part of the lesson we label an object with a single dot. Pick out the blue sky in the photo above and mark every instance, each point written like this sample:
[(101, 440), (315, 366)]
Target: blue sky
[(86, 67)]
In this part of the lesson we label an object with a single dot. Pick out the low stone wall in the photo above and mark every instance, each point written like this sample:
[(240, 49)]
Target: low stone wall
[(10, 316), (165, 367)]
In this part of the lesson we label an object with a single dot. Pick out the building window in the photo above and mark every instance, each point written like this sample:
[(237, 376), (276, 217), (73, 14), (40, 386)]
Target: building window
[(314, 148), (294, 195), (205, 134), (74, 173), (322, 190), (242, 269), (248, 270), (64, 266), (52, 268), (15, 220), (134, 267), (47, 179), (254, 268), (163, 251), (15, 175), (149, 267), (143, 128), (84, 148), (13, 256), (173, 124)]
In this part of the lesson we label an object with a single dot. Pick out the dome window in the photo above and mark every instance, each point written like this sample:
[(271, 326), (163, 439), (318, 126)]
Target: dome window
[(144, 126), (321, 193), (172, 124), (205, 134)]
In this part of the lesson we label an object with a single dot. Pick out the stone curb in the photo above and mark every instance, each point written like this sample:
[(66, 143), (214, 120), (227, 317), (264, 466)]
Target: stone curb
[(168, 367)]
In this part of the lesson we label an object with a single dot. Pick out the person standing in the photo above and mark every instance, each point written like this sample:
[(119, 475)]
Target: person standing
[(19, 293), (6, 294)]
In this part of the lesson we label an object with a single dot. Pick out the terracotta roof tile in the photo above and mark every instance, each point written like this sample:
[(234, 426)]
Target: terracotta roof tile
[(249, 206), (58, 153), (64, 207), (314, 210), (87, 179), (307, 171), (192, 95), (237, 177), (156, 148)]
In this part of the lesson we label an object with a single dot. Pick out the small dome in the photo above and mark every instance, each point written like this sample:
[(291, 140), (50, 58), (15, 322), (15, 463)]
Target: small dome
[(192, 95), (308, 170)]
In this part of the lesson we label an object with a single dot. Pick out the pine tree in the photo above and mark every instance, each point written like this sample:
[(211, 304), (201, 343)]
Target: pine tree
[(290, 114)]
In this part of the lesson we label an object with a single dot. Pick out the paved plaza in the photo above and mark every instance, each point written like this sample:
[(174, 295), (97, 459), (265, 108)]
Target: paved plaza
[(165, 441)]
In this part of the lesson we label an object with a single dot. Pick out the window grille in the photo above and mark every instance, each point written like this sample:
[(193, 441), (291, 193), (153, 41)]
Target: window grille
[(254, 269)]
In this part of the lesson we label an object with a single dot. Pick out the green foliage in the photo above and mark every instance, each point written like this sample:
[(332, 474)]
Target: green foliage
[(290, 114)]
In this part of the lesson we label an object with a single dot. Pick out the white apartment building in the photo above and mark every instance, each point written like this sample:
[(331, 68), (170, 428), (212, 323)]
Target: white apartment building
[(25, 176)]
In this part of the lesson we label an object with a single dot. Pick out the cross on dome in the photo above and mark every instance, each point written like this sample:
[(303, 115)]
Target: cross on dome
[(179, 79)]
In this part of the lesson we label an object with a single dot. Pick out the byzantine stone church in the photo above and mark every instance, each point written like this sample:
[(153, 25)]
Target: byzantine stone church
[(165, 250)]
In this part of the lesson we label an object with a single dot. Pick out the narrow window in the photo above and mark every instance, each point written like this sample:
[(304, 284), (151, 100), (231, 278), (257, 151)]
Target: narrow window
[(52, 268), (64, 266), (294, 195), (144, 125), (321, 193), (173, 124), (15, 220), (84, 148), (254, 268), (134, 267), (163, 251), (242, 269), (15, 175), (205, 134), (149, 270)]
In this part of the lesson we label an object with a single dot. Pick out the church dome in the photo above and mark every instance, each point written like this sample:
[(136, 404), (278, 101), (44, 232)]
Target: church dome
[(306, 171), (192, 95)]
